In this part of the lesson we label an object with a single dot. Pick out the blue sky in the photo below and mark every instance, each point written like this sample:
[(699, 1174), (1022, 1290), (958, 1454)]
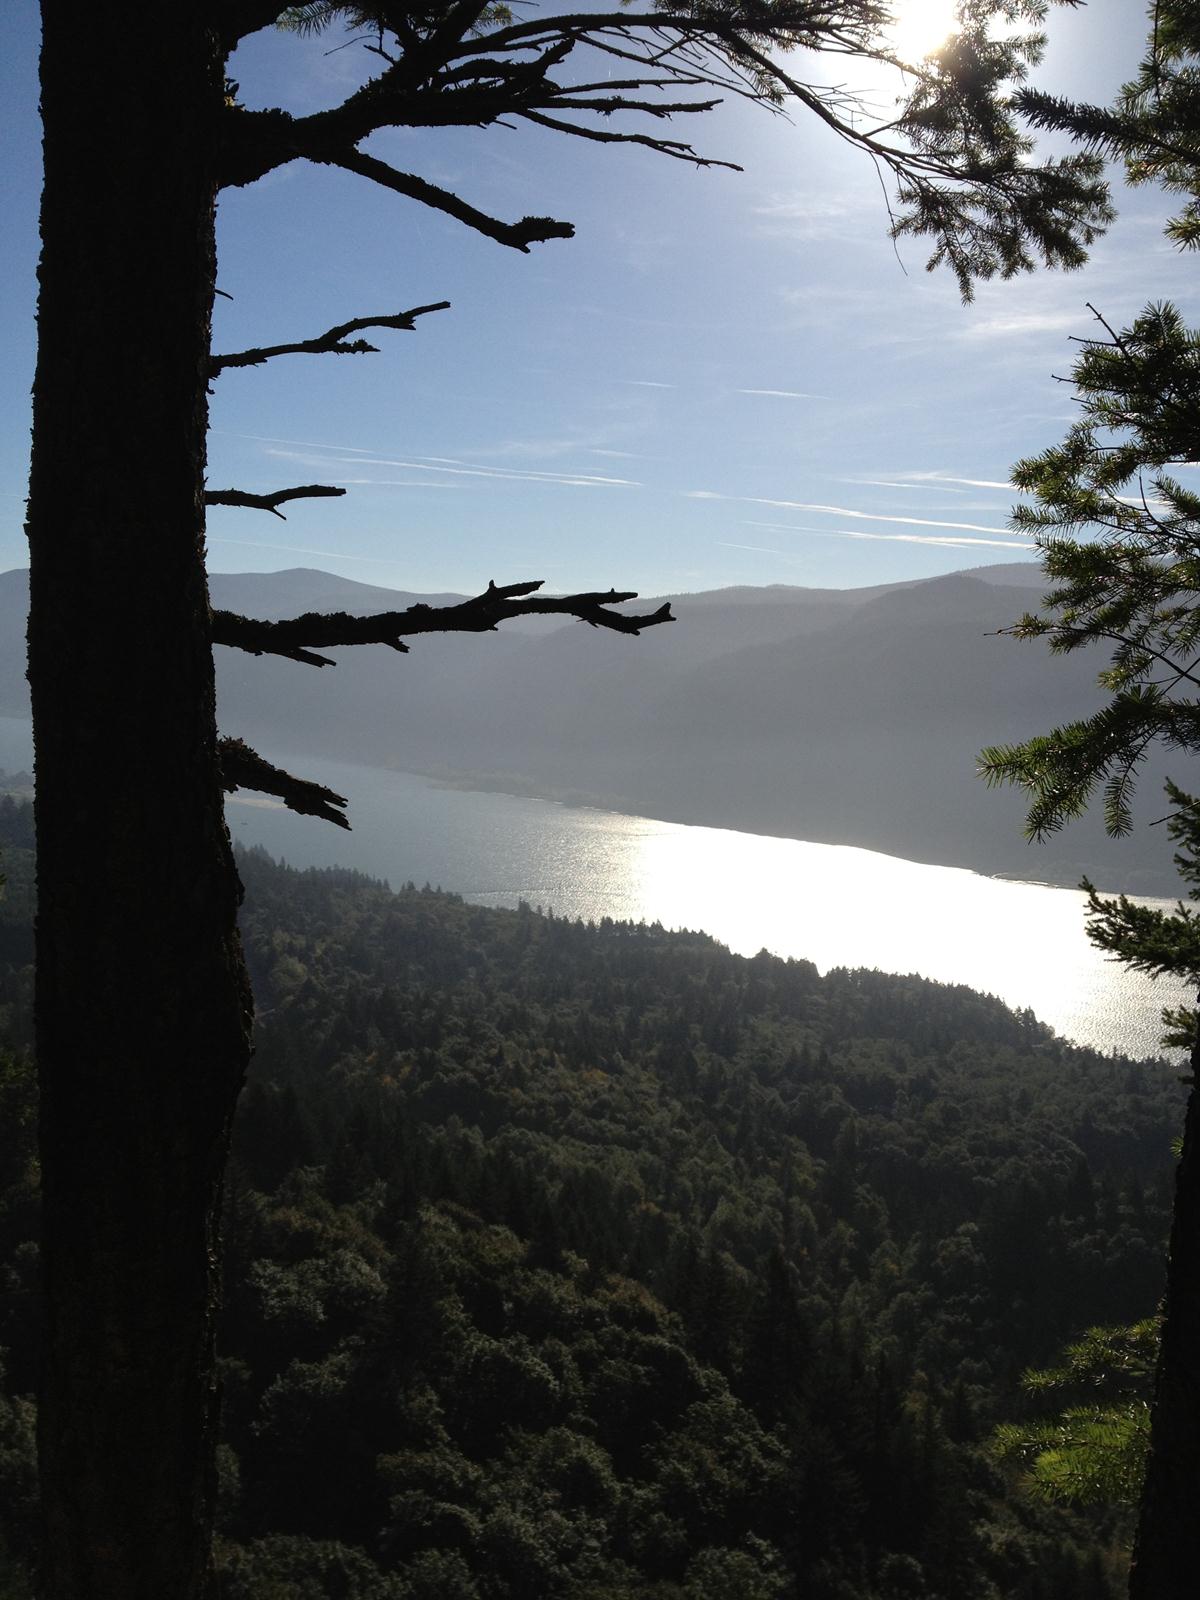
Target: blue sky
[(724, 378)]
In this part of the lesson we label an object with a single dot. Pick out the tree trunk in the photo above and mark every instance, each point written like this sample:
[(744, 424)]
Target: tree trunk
[(143, 1009), (1166, 1554)]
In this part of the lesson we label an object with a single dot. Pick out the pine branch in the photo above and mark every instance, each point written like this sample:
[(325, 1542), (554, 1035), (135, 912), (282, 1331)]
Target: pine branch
[(1145, 938), (243, 768), (296, 637), (335, 341), (270, 502)]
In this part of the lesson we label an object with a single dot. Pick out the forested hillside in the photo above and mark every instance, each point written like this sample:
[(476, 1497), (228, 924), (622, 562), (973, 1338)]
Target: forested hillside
[(592, 1262)]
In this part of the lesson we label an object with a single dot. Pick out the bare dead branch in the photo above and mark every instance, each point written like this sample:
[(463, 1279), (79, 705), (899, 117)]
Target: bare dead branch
[(244, 633), (270, 502), (518, 235), (603, 98), (296, 637), (665, 147), (243, 768), (335, 341)]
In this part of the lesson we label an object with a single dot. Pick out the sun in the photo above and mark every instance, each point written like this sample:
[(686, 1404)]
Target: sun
[(921, 26)]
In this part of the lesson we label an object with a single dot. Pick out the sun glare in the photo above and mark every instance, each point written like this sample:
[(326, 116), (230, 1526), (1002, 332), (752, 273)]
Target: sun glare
[(921, 26)]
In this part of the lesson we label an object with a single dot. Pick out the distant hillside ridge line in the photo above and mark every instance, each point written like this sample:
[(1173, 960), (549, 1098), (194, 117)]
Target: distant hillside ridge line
[(839, 716)]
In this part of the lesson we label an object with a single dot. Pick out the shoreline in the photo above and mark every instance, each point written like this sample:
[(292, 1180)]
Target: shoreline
[(1138, 883)]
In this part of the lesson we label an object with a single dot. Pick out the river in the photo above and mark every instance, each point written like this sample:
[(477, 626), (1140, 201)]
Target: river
[(833, 905)]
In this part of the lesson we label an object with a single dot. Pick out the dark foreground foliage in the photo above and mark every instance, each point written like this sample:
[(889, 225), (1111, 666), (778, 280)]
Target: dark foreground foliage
[(592, 1262)]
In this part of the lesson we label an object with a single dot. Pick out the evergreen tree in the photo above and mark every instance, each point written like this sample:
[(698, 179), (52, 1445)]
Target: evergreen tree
[(1093, 1451), (1120, 540)]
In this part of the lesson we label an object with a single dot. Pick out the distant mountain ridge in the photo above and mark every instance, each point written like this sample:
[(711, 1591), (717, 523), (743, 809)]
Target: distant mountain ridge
[(849, 716)]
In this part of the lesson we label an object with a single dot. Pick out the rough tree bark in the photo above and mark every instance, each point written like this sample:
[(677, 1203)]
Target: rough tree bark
[(1166, 1556), (143, 1007)]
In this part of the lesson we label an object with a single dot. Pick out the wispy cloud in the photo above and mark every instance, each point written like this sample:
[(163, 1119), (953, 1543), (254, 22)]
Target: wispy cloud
[(785, 394), (877, 516), (947, 541), (572, 442), (360, 455), (761, 549), (806, 216), (394, 483), (645, 383), (892, 483), (922, 538), (829, 303), (448, 466), (841, 511), (306, 444), (935, 477), (929, 483), (1018, 324), (304, 550)]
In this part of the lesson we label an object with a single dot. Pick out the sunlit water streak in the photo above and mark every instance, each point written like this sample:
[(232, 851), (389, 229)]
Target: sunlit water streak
[(832, 905)]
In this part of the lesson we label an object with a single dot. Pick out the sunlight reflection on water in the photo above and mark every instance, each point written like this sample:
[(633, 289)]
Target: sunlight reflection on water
[(838, 906), (833, 905)]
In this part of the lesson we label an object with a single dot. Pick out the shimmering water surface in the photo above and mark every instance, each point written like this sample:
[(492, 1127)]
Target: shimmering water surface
[(833, 905)]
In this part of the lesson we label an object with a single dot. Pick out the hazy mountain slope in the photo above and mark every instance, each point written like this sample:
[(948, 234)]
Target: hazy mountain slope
[(865, 732), (14, 604), (1011, 575), (869, 734), (285, 594)]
